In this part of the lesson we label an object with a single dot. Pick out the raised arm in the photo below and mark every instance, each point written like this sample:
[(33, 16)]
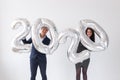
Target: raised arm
[(27, 41)]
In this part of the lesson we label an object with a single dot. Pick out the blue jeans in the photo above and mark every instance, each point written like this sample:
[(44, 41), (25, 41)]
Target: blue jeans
[(42, 63)]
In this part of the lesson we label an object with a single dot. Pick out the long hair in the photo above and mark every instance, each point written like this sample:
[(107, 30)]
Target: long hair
[(93, 34)]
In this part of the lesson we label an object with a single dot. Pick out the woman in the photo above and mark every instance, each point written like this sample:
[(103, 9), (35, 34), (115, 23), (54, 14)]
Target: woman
[(84, 65)]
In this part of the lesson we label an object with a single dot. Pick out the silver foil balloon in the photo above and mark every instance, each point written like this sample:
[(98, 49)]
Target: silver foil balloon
[(18, 46), (102, 44), (75, 38), (37, 41)]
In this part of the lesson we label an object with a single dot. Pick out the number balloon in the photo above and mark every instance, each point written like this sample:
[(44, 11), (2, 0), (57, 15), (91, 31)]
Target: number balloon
[(17, 45), (103, 43), (71, 53), (37, 41)]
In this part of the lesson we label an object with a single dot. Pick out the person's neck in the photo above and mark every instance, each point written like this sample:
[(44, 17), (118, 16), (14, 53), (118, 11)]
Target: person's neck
[(42, 36)]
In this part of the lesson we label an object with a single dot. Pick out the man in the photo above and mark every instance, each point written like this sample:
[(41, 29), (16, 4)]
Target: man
[(38, 58)]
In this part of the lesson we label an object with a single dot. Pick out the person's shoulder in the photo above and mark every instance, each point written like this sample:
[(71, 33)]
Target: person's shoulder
[(47, 38)]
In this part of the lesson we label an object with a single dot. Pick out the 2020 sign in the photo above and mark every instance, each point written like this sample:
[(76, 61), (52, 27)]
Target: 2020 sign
[(59, 38)]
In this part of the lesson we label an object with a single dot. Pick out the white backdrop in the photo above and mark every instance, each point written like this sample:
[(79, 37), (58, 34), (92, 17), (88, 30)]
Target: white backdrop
[(65, 14)]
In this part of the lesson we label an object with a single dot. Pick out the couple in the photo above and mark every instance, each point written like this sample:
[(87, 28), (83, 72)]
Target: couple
[(39, 59)]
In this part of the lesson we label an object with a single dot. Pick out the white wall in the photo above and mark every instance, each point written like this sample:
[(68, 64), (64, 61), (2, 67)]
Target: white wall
[(65, 14)]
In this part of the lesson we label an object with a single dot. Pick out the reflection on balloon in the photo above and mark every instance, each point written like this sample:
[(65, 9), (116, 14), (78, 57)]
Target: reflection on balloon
[(71, 53), (102, 45), (17, 45), (37, 41)]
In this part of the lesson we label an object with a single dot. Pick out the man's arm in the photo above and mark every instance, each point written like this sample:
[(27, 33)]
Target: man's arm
[(27, 41)]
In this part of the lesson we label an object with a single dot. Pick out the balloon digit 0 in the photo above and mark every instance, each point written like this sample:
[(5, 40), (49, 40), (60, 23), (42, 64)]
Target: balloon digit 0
[(37, 40), (102, 45)]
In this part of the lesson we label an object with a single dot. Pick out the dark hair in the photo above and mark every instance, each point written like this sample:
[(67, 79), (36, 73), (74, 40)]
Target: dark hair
[(93, 34)]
